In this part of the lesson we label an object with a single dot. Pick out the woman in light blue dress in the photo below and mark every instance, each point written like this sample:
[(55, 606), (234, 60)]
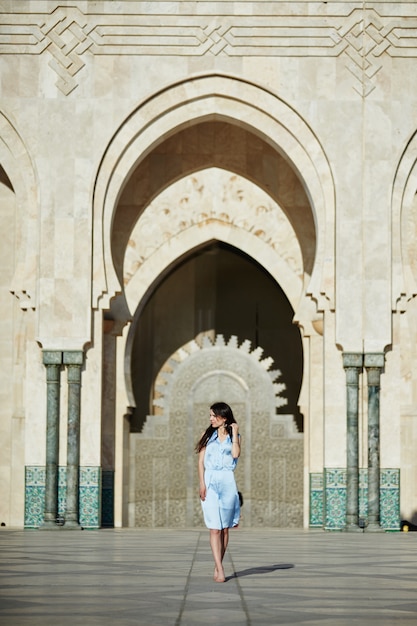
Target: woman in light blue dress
[(218, 452)]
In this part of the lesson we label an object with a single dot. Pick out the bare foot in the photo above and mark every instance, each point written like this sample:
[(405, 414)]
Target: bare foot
[(219, 576)]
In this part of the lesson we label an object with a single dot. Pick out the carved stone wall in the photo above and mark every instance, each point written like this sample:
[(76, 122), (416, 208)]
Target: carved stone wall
[(164, 479), (71, 34), (105, 106), (207, 196)]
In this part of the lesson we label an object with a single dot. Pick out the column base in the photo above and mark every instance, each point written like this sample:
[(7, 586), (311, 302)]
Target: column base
[(49, 525), (374, 527), (72, 525), (353, 528)]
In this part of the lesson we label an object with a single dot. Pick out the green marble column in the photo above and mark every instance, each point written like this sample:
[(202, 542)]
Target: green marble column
[(52, 360), (73, 360), (374, 364), (352, 363)]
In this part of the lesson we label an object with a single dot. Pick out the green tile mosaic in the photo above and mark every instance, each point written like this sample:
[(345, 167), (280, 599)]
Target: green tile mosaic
[(316, 500), (89, 496), (328, 498), (34, 496), (390, 499), (335, 498)]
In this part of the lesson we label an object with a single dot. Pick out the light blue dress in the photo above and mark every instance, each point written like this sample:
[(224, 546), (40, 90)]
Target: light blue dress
[(221, 508)]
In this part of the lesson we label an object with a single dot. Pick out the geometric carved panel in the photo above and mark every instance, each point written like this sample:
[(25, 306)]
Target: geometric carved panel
[(361, 36), (164, 478)]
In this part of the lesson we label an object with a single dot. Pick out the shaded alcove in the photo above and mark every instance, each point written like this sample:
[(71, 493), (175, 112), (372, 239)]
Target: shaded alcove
[(214, 144), (4, 179), (219, 289)]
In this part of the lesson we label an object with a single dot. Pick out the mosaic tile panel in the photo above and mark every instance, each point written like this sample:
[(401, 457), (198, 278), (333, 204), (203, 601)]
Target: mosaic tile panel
[(335, 498), (34, 496), (390, 499), (316, 500), (330, 489), (90, 497), (89, 493)]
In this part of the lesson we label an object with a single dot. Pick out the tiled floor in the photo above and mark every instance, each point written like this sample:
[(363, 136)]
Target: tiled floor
[(158, 577)]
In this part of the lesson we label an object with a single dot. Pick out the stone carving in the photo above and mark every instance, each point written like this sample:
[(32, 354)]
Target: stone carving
[(67, 33), (212, 194), (164, 481), (362, 38), (167, 374)]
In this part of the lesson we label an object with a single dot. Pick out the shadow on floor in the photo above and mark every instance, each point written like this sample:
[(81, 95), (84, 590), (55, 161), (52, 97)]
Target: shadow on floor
[(262, 569)]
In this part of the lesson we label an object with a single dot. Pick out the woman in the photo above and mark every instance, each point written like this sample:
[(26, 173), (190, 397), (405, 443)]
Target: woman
[(218, 451)]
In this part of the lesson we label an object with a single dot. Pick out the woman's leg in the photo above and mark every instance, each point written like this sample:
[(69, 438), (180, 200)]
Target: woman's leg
[(216, 548), (224, 540)]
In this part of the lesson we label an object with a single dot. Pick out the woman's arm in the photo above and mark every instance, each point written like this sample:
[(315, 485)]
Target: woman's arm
[(235, 441), (202, 484)]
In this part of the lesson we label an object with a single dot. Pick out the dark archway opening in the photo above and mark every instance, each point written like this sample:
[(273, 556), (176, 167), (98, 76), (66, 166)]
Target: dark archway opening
[(217, 288)]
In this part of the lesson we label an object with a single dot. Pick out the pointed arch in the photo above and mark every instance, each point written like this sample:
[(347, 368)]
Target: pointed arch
[(404, 284), (20, 176), (221, 207), (195, 237), (214, 97)]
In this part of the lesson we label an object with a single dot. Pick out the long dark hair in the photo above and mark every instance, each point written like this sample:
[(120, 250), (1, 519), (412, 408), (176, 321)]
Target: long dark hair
[(222, 410)]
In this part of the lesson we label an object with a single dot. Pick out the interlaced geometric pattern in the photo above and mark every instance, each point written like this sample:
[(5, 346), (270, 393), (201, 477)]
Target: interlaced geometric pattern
[(67, 34), (365, 39), (68, 40)]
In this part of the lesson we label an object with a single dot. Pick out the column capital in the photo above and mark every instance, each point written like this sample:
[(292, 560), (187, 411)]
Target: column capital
[(52, 357), (73, 357), (352, 359), (374, 359)]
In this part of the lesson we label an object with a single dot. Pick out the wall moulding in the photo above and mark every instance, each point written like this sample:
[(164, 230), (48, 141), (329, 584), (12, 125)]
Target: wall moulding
[(404, 228), (19, 169), (66, 33)]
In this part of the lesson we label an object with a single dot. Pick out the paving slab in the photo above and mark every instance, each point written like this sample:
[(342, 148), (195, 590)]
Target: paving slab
[(164, 577)]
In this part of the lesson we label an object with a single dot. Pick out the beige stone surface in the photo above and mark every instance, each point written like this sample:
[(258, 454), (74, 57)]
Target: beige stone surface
[(134, 133)]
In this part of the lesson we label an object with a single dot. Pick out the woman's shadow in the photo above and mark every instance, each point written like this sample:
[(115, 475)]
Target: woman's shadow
[(262, 569)]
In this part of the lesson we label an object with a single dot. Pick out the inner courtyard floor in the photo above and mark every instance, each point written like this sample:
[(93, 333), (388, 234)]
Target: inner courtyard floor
[(157, 577)]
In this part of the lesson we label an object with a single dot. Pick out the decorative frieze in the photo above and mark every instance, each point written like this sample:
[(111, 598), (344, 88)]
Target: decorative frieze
[(67, 33)]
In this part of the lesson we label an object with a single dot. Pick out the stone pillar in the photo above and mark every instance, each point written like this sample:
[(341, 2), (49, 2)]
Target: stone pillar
[(52, 360), (108, 422), (352, 363), (74, 361), (374, 364)]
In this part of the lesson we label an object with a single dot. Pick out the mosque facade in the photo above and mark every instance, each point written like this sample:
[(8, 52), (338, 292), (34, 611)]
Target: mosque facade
[(208, 201)]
